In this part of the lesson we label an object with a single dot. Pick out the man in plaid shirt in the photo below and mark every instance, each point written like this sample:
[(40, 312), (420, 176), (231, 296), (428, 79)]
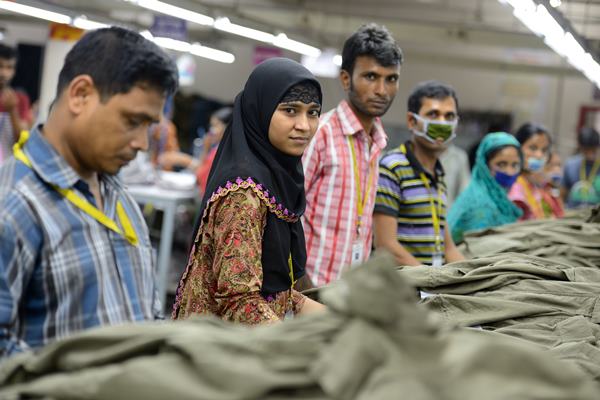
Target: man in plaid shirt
[(340, 164), (74, 247)]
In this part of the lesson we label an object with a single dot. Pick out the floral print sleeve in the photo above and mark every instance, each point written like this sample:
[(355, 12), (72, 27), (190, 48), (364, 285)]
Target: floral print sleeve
[(239, 221)]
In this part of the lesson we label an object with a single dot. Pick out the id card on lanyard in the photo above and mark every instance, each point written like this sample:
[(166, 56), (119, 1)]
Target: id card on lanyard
[(128, 232), (436, 214), (362, 199)]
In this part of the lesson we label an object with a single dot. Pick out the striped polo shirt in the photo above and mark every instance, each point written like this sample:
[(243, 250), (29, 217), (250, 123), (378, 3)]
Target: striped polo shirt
[(403, 194)]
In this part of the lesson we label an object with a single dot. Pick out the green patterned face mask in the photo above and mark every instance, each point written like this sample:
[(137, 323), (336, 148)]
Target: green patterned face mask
[(434, 130)]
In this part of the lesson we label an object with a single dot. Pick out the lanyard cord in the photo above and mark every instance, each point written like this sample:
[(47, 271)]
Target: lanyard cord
[(593, 171), (435, 213), (361, 198), (536, 207), (69, 194)]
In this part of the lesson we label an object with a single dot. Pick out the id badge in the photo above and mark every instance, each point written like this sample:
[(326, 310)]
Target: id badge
[(438, 260), (357, 253)]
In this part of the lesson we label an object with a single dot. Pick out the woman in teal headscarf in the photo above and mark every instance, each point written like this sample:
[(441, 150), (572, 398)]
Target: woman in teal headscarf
[(484, 203)]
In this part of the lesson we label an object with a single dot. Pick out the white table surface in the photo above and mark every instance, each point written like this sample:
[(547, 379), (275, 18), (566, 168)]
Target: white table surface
[(167, 200)]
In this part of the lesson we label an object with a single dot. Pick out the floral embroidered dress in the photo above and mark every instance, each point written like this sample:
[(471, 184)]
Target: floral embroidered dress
[(224, 277)]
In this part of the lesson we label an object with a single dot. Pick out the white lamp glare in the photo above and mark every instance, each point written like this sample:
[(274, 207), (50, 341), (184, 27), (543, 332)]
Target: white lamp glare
[(35, 12)]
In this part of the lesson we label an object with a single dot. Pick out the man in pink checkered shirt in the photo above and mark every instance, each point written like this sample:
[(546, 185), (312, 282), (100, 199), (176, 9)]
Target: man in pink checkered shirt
[(340, 164)]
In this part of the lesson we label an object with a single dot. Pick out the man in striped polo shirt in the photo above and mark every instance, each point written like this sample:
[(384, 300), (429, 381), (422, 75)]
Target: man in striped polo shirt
[(410, 209), (340, 164)]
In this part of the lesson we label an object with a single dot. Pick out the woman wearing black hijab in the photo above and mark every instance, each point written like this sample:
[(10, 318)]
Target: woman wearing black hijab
[(249, 246)]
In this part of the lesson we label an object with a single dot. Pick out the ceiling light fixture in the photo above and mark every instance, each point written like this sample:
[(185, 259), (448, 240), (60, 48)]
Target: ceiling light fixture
[(555, 3), (337, 60), (207, 52), (87, 24), (223, 24), (193, 48), (284, 42), (540, 21), (35, 12), (174, 11)]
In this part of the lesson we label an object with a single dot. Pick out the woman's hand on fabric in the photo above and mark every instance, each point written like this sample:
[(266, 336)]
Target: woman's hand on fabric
[(310, 307)]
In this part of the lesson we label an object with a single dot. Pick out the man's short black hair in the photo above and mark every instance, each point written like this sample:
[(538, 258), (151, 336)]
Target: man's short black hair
[(7, 52), (118, 59), (374, 41), (588, 137), (431, 90)]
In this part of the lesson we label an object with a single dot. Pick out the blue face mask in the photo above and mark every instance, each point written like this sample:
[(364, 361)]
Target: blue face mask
[(556, 179), (505, 180), (535, 164)]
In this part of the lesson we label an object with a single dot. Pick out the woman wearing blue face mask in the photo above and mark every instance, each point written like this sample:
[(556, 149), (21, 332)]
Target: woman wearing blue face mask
[(484, 203), (529, 193)]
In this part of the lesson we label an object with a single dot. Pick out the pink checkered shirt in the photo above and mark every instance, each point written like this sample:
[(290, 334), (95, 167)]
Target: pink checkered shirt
[(331, 201)]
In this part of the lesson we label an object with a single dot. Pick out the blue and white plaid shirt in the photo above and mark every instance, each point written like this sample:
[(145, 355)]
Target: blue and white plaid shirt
[(61, 271)]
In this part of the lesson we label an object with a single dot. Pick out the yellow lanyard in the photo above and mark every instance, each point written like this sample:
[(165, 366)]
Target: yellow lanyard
[(435, 213), (593, 172), (290, 309), (361, 198), (291, 266), (82, 204), (536, 207)]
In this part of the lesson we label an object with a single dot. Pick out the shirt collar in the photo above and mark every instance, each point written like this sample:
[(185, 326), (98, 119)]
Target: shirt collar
[(351, 125), (51, 167), (416, 165)]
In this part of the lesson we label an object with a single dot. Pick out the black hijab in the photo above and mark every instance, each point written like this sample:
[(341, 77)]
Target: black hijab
[(246, 158)]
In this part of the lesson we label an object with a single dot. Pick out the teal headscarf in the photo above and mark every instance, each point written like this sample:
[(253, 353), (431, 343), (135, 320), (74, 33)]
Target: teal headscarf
[(484, 203)]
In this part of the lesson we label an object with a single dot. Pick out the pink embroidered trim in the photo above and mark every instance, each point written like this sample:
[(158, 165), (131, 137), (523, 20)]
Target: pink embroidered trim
[(270, 201)]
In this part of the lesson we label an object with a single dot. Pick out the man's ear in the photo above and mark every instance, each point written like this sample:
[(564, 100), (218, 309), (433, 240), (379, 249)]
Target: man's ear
[(346, 80), (80, 92), (411, 121)]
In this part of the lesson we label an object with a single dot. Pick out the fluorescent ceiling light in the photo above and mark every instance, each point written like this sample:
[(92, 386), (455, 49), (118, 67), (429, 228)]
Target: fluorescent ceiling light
[(174, 11), (337, 60), (147, 34), (520, 4), (223, 24), (196, 49), (539, 20), (555, 3), (281, 40), (172, 44), (284, 42), (86, 24), (218, 55), (35, 12)]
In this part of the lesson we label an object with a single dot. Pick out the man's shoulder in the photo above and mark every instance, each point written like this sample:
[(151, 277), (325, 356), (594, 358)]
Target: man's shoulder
[(22, 96), (329, 122), (15, 208), (574, 162), (394, 158), (11, 173)]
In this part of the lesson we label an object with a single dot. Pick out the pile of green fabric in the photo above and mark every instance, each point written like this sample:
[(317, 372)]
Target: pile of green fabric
[(537, 281), (373, 343), (571, 241)]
